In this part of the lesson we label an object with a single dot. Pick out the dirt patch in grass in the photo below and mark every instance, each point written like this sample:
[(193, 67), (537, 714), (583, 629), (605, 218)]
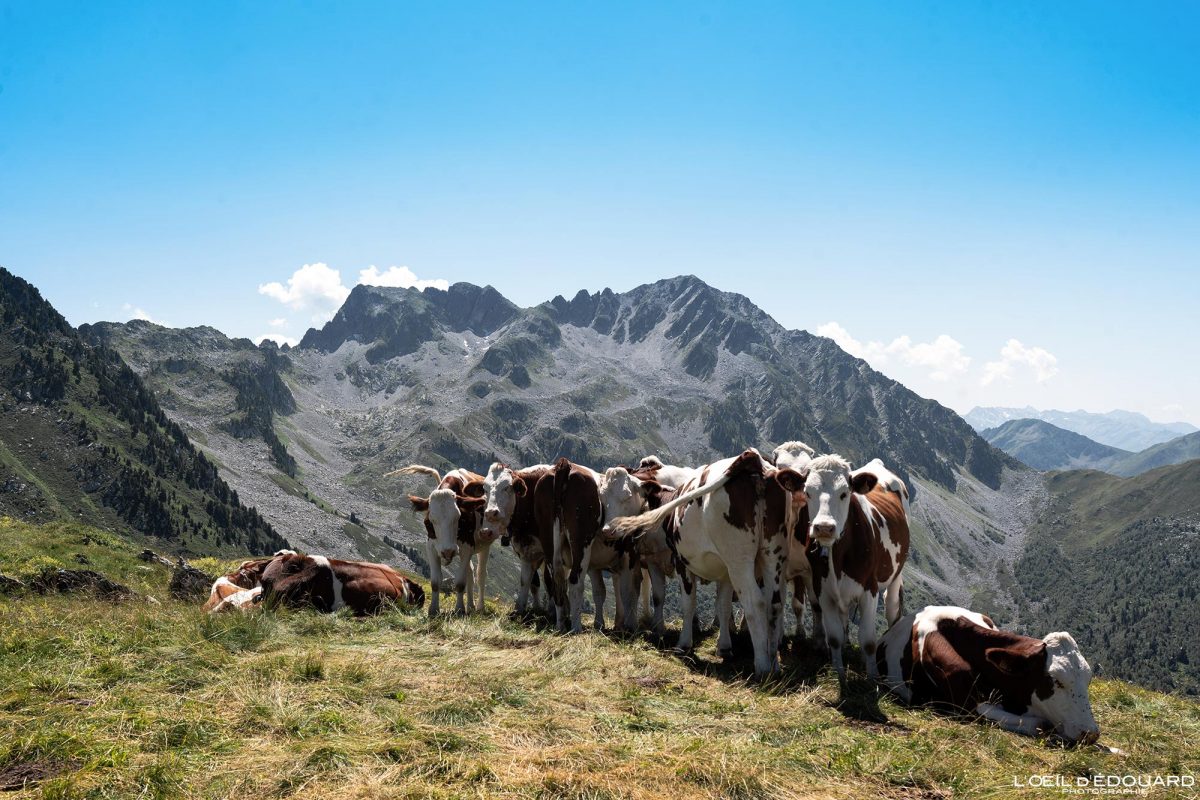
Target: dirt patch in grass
[(24, 774)]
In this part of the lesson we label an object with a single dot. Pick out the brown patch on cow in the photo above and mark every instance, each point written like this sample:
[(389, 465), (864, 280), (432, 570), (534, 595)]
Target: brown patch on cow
[(860, 553), (965, 664), (745, 489)]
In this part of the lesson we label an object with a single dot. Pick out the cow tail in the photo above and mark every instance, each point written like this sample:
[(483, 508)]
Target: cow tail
[(415, 469), (562, 473), (626, 527)]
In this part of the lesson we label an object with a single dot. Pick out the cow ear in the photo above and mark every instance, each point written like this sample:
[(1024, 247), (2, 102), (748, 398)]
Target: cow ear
[(471, 503), (420, 504), (789, 479), (650, 488), (863, 482), (1015, 660), (473, 489), (519, 486)]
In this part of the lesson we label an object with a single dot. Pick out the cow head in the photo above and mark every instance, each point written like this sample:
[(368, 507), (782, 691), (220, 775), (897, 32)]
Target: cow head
[(623, 495), (501, 488), (287, 577), (1062, 694), (445, 512), (828, 486), (793, 455)]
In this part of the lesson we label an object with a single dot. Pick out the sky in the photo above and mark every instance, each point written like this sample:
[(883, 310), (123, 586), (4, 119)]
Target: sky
[(996, 203)]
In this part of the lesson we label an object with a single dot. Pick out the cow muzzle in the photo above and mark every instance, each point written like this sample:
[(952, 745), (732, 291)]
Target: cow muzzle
[(824, 533), (448, 555)]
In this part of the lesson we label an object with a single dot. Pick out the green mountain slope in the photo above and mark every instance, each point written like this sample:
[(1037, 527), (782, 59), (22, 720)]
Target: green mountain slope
[(1176, 451), (82, 438), (1114, 561)]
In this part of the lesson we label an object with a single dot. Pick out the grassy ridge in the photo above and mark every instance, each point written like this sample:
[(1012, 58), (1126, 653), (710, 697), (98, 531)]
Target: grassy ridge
[(145, 700)]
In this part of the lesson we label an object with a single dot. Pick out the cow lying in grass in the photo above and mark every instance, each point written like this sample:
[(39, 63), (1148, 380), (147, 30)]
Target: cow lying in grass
[(959, 659), (330, 584), (240, 588)]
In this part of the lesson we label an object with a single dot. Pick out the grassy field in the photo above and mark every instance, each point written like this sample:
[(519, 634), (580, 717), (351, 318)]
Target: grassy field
[(154, 700)]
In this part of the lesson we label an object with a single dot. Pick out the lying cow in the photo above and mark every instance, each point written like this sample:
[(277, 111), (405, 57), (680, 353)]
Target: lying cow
[(509, 514), (451, 516), (728, 524), (959, 659), (330, 584), (857, 546), (229, 591), (244, 600)]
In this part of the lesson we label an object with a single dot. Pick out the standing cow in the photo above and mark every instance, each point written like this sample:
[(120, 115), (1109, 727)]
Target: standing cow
[(957, 658), (509, 514), (857, 546), (451, 516), (729, 525)]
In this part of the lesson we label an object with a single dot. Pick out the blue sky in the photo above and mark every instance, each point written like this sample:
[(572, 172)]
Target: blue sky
[(927, 182)]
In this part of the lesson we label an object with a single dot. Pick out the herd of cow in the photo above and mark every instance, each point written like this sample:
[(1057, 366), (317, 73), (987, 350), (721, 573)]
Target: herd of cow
[(756, 526)]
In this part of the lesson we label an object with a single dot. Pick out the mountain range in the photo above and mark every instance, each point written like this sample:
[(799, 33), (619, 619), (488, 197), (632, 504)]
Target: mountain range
[(677, 368), (1048, 447), (1124, 430)]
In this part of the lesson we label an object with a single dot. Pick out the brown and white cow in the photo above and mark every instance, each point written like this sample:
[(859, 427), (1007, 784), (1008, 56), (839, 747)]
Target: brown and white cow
[(509, 513), (857, 546), (331, 584), (728, 524), (451, 515), (959, 659), (233, 587), (567, 502), (623, 494)]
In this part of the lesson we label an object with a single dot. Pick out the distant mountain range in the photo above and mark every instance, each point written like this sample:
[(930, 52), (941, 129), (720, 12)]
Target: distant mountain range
[(1125, 430), (1048, 447)]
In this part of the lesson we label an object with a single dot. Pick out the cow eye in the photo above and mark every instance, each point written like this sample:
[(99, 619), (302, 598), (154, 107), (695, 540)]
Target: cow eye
[(843, 495), (1059, 684)]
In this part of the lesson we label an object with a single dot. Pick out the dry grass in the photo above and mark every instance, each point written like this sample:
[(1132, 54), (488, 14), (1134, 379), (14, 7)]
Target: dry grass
[(137, 700)]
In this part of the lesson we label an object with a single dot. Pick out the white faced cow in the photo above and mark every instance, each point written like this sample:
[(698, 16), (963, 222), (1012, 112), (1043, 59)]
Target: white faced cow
[(623, 494), (452, 513), (509, 514), (857, 546), (959, 659), (728, 525)]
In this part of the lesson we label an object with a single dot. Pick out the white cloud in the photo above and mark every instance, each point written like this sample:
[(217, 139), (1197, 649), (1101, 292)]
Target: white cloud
[(318, 288), (277, 338), (278, 322), (401, 277), (941, 359), (1015, 357), (313, 286), (140, 313)]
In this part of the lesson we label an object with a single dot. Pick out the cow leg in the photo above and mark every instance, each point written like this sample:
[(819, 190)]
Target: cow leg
[(818, 626), (867, 609), (599, 597), (627, 594), (1024, 724), (435, 576), (757, 611), (798, 605), (658, 591), (560, 576), (834, 625), (689, 613), (523, 591), (481, 576), (464, 577), (645, 585), (579, 566), (773, 589), (725, 618), (894, 600)]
